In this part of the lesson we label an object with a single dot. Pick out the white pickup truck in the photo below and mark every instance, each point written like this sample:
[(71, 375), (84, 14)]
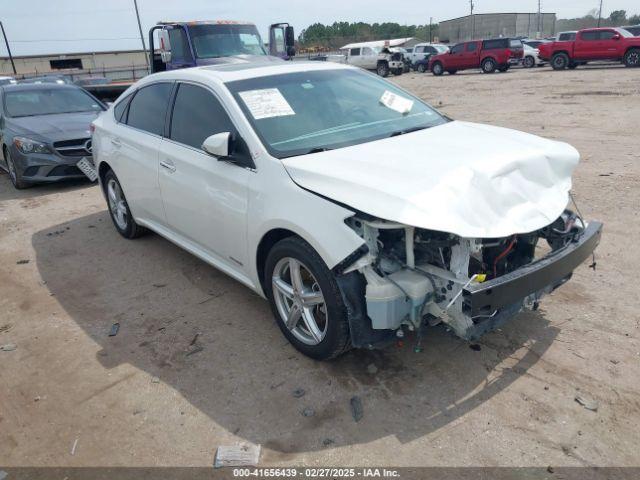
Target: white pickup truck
[(371, 56)]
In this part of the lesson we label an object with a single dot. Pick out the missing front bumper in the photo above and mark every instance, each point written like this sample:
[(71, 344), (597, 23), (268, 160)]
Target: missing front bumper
[(548, 273)]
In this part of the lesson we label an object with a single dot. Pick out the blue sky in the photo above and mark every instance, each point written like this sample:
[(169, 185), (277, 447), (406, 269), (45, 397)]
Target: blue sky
[(59, 26)]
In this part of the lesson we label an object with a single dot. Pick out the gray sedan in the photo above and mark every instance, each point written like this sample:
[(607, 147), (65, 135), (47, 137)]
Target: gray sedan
[(45, 131)]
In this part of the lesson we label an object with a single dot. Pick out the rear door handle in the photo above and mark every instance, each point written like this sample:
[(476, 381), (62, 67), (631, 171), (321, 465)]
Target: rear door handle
[(116, 143), (168, 165)]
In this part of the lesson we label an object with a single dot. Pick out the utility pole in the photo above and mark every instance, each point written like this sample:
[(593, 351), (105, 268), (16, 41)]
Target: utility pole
[(430, 24), (539, 18), (6, 42), (600, 13), (144, 47), (473, 21)]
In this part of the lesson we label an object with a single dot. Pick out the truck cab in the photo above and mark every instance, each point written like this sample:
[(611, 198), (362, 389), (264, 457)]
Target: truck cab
[(174, 45), (594, 44)]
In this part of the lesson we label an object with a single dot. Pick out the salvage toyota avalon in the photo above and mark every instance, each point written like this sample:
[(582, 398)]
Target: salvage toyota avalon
[(356, 209)]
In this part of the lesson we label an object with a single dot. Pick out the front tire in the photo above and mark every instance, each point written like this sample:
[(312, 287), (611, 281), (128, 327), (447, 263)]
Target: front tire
[(422, 68), (560, 61), (14, 175), (383, 69), (437, 69), (529, 62), (306, 300), (632, 58), (119, 208)]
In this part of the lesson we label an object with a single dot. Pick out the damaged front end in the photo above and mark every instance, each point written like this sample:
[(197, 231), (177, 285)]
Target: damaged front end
[(406, 277)]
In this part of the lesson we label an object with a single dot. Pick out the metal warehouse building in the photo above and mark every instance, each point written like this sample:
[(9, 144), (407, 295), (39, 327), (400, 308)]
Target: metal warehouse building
[(115, 65), (492, 25)]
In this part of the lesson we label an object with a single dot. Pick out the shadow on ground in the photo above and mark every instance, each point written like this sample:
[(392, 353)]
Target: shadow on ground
[(9, 192), (216, 343)]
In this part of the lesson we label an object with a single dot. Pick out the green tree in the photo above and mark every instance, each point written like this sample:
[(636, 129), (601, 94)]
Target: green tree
[(618, 17)]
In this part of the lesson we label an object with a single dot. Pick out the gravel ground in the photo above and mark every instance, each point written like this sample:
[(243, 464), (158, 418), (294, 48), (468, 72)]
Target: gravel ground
[(199, 362)]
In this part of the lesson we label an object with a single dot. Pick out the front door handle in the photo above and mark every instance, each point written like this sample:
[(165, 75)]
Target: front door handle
[(116, 143), (168, 165)]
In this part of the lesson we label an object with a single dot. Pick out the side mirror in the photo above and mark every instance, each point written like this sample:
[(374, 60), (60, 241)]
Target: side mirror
[(289, 36), (616, 36), (217, 145)]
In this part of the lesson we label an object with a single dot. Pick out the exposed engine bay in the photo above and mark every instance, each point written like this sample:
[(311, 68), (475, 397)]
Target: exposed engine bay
[(416, 277)]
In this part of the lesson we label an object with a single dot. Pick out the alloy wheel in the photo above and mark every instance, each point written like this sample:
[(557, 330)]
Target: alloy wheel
[(117, 204), (299, 300)]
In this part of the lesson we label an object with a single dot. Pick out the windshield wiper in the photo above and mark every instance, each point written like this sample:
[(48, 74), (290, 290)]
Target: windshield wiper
[(408, 130)]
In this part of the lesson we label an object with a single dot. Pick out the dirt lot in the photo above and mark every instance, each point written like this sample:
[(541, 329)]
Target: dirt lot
[(149, 396)]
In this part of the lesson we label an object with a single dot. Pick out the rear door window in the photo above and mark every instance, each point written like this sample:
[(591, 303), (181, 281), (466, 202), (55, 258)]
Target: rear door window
[(495, 44), (590, 36), (197, 114), (120, 108), (355, 52), (148, 108), (472, 47)]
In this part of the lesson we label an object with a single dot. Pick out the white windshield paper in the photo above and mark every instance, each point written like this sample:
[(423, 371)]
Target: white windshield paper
[(266, 103), (396, 102)]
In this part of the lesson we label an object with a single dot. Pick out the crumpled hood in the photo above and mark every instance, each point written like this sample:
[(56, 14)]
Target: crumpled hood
[(61, 126), (472, 180)]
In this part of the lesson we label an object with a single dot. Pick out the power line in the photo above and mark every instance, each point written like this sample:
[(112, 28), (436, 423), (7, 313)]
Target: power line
[(74, 40)]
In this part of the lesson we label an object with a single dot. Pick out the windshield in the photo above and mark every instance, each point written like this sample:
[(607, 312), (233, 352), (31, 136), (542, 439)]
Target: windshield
[(306, 112), (28, 103), (441, 48), (213, 41)]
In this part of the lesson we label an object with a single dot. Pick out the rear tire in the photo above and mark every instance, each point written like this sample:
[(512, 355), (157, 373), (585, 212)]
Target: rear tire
[(119, 208), (529, 62), (437, 69), (560, 61), (313, 299), (489, 65), (632, 58), (422, 68)]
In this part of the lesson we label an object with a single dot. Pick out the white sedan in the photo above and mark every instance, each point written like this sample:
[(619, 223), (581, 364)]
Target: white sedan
[(357, 210), (531, 57)]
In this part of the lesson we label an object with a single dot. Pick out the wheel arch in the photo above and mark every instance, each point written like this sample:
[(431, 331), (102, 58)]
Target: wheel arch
[(103, 168), (268, 240)]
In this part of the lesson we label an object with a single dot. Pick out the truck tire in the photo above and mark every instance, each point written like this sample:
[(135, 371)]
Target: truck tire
[(437, 69), (383, 69), (560, 61), (422, 68), (489, 65), (632, 58)]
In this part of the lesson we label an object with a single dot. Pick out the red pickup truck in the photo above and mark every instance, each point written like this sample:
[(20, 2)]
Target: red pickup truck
[(593, 44), (489, 55)]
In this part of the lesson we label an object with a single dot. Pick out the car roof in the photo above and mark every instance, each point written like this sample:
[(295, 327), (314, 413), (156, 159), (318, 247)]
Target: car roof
[(231, 72), (37, 86)]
